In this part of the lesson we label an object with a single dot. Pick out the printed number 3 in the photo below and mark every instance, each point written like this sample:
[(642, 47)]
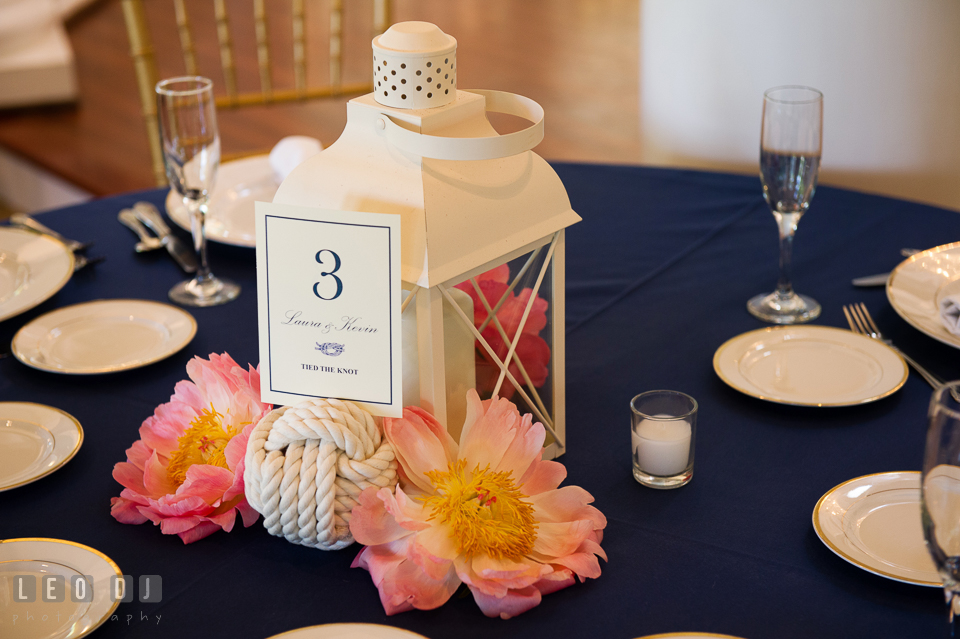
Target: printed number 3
[(336, 267)]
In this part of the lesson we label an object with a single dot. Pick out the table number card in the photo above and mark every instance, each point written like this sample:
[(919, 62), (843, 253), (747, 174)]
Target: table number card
[(328, 287)]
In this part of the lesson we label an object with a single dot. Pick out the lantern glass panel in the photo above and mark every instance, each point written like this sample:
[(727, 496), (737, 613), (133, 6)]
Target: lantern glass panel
[(507, 289)]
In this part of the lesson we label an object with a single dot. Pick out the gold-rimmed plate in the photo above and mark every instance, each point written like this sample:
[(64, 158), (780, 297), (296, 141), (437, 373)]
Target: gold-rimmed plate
[(35, 440), (348, 631), (917, 285), (230, 219), (33, 268), (103, 336), (810, 366), (873, 522), (688, 635), (83, 609)]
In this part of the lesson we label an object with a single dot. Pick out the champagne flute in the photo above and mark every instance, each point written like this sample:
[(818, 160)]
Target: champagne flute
[(191, 155), (940, 492), (790, 143)]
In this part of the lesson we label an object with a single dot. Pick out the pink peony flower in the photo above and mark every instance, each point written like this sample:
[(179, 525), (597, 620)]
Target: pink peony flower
[(185, 473), (532, 349), (487, 512)]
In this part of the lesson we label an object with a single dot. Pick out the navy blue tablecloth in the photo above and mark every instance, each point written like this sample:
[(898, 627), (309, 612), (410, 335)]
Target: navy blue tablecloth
[(658, 275)]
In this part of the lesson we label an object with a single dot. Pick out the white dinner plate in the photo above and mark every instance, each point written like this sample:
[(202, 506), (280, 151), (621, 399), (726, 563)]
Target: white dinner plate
[(66, 620), (104, 336), (874, 523), (230, 211), (348, 631), (917, 285), (35, 440), (810, 366), (32, 268), (688, 635)]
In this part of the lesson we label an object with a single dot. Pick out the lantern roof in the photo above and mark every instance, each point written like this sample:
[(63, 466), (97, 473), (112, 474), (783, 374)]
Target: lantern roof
[(456, 216), (411, 147)]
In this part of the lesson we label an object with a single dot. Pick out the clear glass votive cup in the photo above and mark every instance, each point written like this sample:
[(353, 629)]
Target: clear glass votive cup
[(663, 429)]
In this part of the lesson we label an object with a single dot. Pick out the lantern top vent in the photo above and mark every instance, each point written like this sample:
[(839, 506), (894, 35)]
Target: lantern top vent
[(414, 66)]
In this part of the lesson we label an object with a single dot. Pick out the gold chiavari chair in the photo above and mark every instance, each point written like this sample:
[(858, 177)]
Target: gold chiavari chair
[(142, 52)]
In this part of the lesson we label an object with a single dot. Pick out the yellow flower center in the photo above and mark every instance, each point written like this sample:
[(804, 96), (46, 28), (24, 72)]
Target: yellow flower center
[(485, 511), (202, 443)]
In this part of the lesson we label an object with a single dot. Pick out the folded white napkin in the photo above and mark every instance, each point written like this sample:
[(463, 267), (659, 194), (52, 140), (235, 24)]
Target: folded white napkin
[(950, 313), (290, 152)]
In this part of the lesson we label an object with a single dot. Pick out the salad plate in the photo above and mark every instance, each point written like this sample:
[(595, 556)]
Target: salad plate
[(103, 336), (810, 366), (33, 268), (35, 440), (873, 522), (349, 631), (86, 571), (688, 635)]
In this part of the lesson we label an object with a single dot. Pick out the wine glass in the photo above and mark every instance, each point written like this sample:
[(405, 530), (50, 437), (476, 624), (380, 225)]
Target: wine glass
[(940, 492), (191, 154), (790, 142)]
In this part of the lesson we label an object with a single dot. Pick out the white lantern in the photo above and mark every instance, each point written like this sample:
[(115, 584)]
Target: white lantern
[(470, 201)]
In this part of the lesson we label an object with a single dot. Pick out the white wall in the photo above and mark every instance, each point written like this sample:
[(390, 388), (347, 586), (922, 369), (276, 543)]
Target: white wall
[(889, 71)]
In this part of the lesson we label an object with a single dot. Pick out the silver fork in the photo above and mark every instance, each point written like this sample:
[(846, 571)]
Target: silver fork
[(82, 261), (860, 322)]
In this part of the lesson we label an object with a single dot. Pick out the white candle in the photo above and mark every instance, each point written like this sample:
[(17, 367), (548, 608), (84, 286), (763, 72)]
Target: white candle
[(459, 358), (662, 448)]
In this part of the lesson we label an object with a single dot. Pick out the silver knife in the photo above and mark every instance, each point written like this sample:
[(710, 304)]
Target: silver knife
[(880, 279), (149, 215)]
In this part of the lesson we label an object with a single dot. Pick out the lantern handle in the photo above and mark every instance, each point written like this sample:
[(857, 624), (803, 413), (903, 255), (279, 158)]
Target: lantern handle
[(485, 148)]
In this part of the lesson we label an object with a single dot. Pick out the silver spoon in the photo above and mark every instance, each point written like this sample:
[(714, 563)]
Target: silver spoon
[(147, 242)]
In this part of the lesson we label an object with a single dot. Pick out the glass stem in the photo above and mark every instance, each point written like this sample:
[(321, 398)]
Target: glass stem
[(198, 215), (787, 224)]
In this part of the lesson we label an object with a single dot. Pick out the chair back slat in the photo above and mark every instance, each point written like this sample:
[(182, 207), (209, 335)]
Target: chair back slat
[(186, 38), (263, 49), (141, 50), (299, 49), (226, 48), (145, 65), (336, 37), (279, 96)]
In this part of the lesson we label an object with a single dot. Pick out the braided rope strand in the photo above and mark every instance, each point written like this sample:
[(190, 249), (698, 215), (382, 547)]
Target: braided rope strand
[(306, 466)]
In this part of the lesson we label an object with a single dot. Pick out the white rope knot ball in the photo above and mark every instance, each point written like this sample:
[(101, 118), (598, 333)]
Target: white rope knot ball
[(306, 465)]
